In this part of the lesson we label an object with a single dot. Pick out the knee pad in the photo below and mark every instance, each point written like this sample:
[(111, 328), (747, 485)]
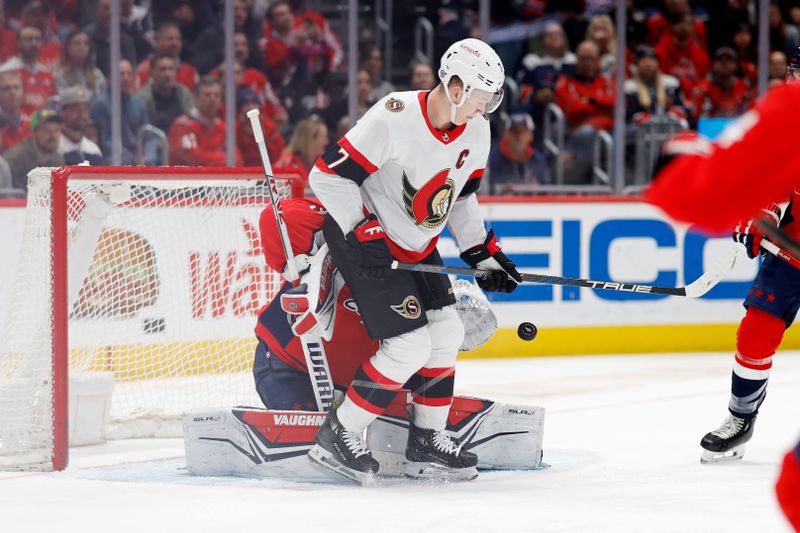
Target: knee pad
[(759, 334), (446, 332), (400, 356)]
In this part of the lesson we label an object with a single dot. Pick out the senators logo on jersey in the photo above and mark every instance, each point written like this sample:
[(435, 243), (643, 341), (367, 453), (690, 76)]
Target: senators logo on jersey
[(429, 205), (410, 308)]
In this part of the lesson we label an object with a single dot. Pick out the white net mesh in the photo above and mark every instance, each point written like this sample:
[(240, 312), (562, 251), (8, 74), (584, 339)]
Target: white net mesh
[(166, 277)]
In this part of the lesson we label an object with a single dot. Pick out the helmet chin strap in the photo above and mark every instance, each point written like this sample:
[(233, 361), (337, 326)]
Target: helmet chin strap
[(454, 106)]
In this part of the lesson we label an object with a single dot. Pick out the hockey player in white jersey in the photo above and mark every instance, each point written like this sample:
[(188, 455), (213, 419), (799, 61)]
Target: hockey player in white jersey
[(411, 165)]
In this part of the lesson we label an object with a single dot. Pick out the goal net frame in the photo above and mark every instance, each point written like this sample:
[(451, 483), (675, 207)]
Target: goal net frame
[(61, 293)]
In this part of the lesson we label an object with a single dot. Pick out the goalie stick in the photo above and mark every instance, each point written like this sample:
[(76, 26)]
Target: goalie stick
[(314, 351), (696, 289)]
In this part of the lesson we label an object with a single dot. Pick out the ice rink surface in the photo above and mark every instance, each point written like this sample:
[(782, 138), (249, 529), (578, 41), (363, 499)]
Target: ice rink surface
[(621, 435)]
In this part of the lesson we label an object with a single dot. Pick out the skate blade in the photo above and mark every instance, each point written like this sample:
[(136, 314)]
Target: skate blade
[(322, 457), (734, 454), (435, 472)]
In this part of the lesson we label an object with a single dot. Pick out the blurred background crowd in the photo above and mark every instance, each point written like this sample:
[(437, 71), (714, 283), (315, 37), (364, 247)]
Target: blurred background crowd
[(686, 64)]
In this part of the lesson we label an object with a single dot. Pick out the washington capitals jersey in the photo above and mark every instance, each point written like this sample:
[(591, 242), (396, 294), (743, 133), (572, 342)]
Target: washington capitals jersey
[(755, 161), (410, 174)]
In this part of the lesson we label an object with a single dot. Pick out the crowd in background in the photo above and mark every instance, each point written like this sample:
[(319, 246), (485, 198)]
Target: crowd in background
[(684, 60)]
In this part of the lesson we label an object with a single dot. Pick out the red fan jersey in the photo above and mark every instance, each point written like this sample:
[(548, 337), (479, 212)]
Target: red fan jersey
[(196, 141)]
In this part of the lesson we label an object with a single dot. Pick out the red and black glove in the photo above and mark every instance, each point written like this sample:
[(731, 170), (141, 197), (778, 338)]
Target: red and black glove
[(488, 256), (368, 249), (750, 236)]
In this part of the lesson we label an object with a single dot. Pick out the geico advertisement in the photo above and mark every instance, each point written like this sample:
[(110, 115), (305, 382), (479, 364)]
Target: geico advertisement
[(201, 271)]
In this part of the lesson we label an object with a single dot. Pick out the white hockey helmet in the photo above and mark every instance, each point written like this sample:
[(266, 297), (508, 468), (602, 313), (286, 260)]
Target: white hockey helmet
[(478, 67)]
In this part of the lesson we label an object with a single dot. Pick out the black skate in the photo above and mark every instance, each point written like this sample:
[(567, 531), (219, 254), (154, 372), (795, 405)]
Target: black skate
[(433, 455), (726, 443), (343, 452)]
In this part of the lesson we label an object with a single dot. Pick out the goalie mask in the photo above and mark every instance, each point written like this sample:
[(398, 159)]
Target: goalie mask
[(480, 70), (475, 313)]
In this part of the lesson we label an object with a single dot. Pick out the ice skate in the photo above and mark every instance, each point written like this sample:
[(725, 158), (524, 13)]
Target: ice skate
[(343, 452), (726, 443), (433, 455)]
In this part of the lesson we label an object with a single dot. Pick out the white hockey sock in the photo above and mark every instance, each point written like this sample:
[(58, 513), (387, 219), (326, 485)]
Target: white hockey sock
[(353, 417), (431, 417)]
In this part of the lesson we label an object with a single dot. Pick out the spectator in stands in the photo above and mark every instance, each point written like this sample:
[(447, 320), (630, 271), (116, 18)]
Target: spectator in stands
[(77, 67), (659, 22), (14, 125), (554, 53), (601, 32), (340, 108), (8, 39), (309, 140), (422, 77), (38, 15), (649, 92), (680, 55), (721, 20), (587, 99), (723, 95), (165, 99), (247, 99), (280, 44), (782, 35), (137, 22), (39, 150), (257, 81), (99, 32), (777, 65), (134, 117), (514, 161), (73, 105), (303, 15), (209, 48), (168, 42), (198, 138), (183, 14), (37, 81), (372, 62), (544, 94), (744, 47)]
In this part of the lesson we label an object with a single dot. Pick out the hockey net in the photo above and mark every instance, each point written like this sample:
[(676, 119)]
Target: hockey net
[(152, 276)]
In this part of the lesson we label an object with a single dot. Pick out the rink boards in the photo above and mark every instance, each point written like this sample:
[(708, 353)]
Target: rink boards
[(614, 239)]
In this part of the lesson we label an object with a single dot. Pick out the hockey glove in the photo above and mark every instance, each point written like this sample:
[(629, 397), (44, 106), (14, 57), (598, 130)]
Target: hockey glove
[(750, 236), (368, 249), (488, 256)]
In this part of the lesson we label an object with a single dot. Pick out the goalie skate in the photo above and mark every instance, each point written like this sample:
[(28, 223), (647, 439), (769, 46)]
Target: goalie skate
[(726, 443), (343, 452)]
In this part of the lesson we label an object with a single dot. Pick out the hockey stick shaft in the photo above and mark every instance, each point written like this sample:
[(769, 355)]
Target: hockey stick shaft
[(313, 350), (274, 197), (694, 290), (779, 252)]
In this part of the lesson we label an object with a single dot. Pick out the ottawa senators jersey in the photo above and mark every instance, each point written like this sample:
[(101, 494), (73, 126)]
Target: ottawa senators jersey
[(410, 174)]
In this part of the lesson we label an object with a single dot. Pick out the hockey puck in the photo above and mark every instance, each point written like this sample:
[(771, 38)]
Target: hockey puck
[(527, 331)]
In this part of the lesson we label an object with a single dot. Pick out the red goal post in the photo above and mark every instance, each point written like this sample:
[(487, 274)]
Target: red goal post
[(152, 275)]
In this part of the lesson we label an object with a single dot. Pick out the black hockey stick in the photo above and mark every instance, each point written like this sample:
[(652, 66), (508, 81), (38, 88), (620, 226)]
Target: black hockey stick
[(696, 289)]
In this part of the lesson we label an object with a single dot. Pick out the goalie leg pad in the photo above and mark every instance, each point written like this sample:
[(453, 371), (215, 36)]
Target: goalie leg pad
[(504, 436), (252, 442)]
